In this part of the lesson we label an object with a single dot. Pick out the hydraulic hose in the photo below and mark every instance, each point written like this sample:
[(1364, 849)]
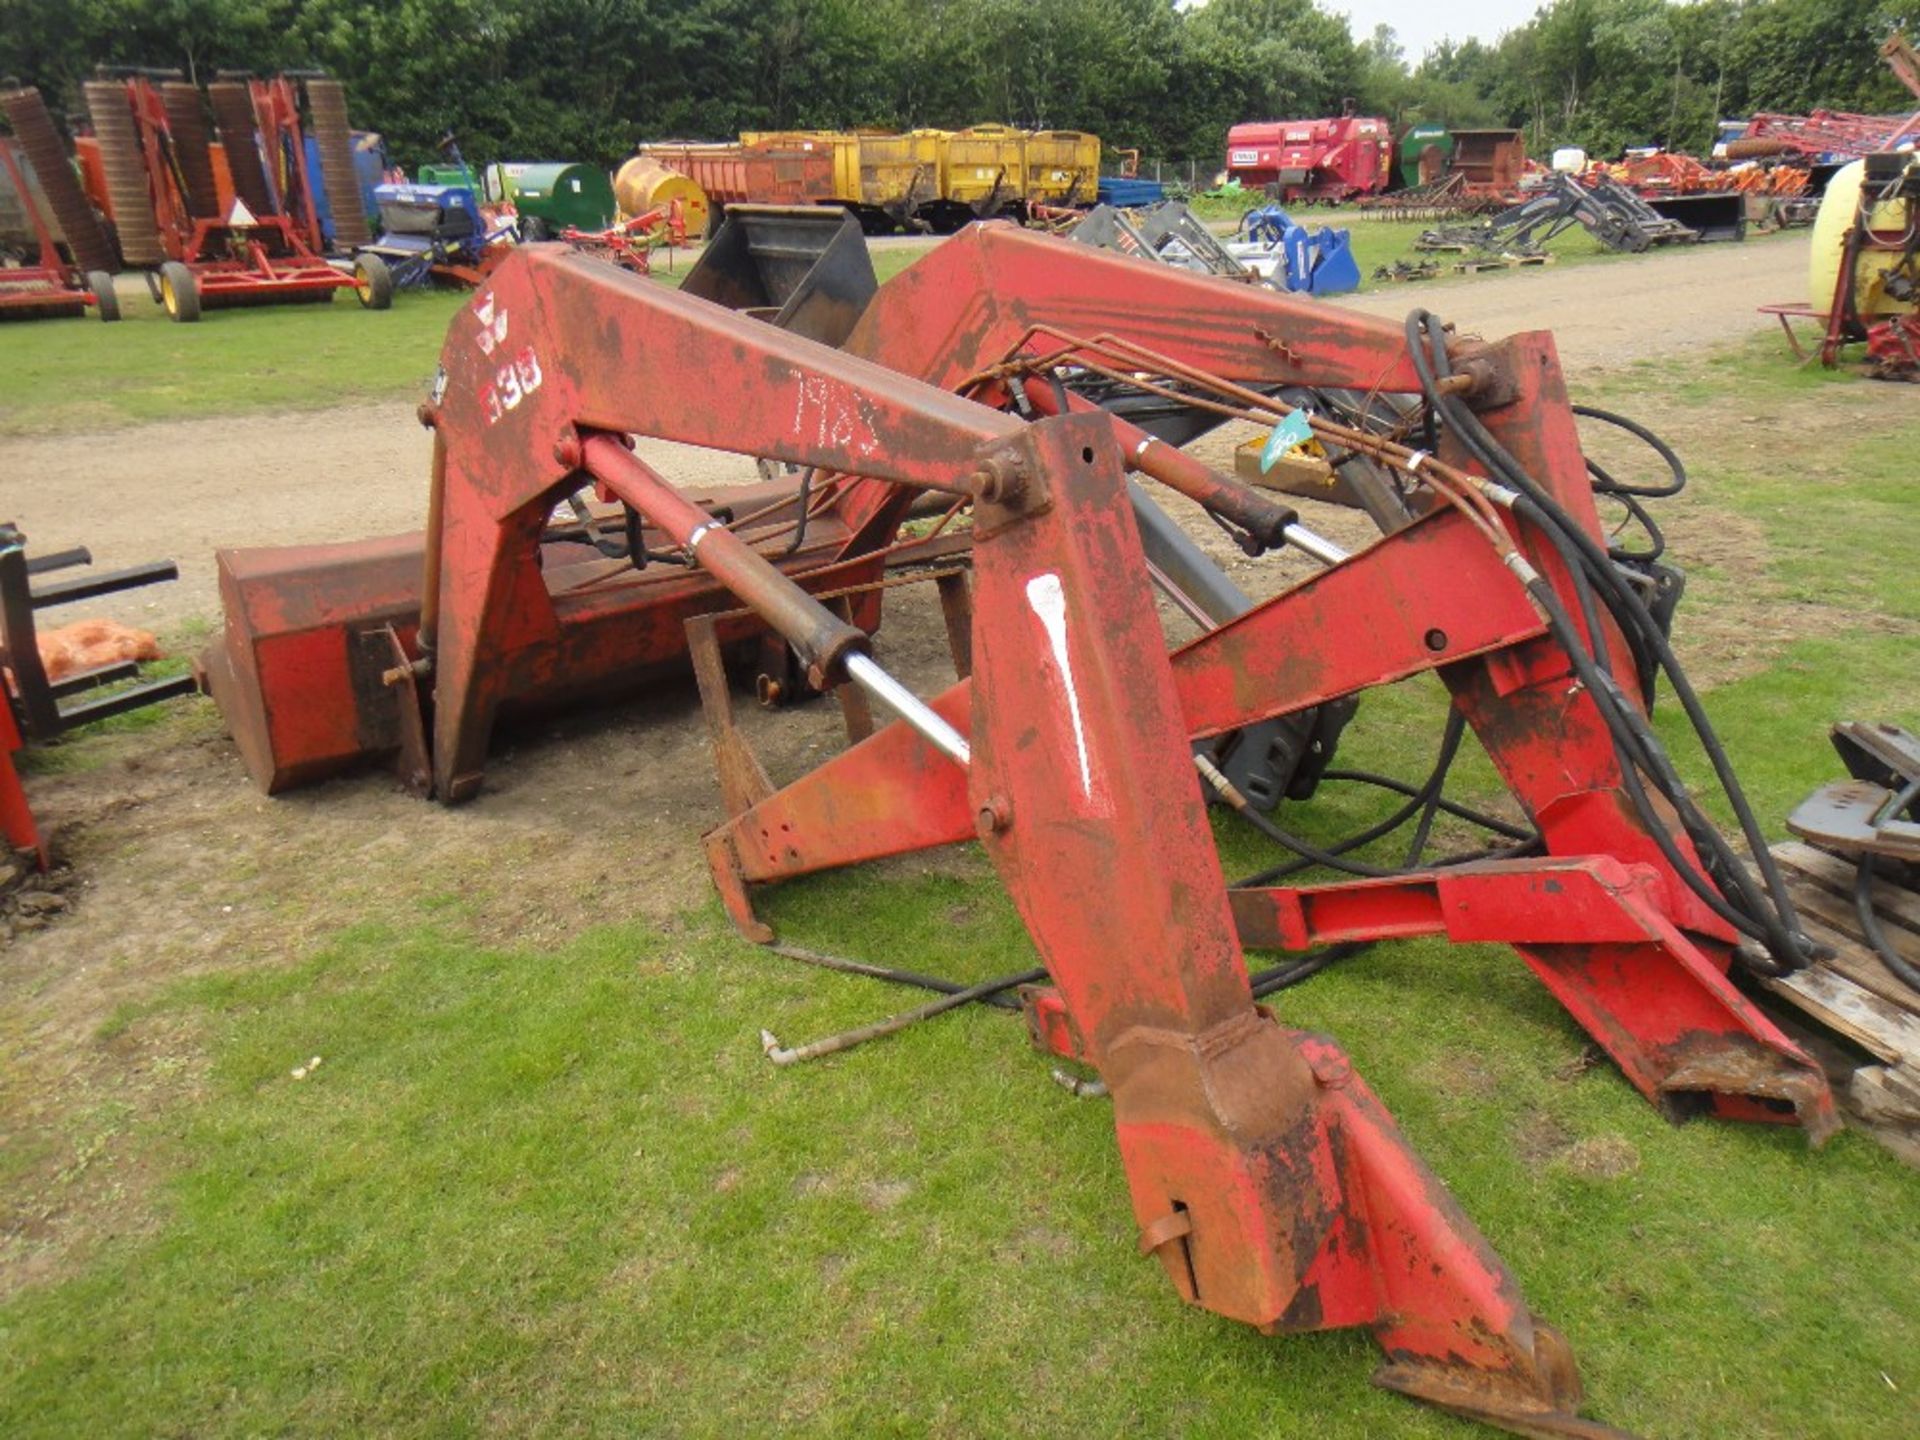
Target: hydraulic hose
[(1775, 922)]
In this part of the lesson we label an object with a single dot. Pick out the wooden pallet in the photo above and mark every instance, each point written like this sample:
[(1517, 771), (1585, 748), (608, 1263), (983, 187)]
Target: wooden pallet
[(1854, 995), (1502, 262)]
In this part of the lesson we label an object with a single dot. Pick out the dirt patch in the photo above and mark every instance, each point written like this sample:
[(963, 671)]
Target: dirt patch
[(1607, 315), (1460, 1073), (1602, 1157), (1540, 1138), (882, 1195), (1740, 614)]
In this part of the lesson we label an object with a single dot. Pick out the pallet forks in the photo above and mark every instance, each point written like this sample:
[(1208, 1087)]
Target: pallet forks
[(34, 708)]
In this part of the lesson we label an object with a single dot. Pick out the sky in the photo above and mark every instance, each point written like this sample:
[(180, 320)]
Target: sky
[(1421, 23)]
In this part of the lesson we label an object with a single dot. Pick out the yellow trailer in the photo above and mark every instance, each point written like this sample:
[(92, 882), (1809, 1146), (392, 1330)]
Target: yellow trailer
[(900, 174), (985, 168), (1063, 167)]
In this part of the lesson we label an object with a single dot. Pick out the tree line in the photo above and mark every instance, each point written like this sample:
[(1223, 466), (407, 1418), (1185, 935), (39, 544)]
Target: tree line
[(585, 79)]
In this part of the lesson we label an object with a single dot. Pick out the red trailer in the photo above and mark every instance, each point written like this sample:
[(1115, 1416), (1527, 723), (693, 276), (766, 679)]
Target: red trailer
[(757, 174), (1492, 161), (1335, 159)]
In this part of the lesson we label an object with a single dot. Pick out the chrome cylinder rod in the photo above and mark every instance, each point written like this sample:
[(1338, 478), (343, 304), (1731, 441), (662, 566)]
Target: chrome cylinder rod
[(862, 670)]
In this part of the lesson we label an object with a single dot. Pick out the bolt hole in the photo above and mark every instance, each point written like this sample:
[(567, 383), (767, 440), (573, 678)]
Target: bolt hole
[(1086, 454), (1436, 640)]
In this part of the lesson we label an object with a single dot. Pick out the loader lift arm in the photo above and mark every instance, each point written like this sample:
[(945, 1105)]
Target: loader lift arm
[(1268, 1180), (1429, 598)]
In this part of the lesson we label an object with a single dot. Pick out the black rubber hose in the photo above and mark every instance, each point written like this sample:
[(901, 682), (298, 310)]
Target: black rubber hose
[(1870, 926), (1265, 982), (1628, 495), (1607, 485), (1311, 855), (1638, 749), (1427, 346), (1451, 807)]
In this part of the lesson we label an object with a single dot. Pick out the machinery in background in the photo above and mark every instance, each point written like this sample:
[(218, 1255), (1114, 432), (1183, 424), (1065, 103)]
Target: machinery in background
[(1422, 155), (437, 228), (549, 196), (1607, 210), (1270, 248), (42, 281), (1863, 281), (888, 180), (919, 179), (432, 233), (160, 190), (1490, 163), (1864, 268), (631, 243), (37, 277), (643, 185), (1330, 160), (1446, 174), (1288, 256)]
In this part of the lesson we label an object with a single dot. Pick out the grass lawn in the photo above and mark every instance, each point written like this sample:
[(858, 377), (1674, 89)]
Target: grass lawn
[(560, 1190), (68, 375)]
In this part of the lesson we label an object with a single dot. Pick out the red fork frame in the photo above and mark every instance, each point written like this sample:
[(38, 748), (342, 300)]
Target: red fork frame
[(1433, 597), (1264, 1175), (17, 826)]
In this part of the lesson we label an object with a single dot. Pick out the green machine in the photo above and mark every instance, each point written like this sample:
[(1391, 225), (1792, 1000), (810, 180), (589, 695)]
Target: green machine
[(550, 196), (1423, 154)]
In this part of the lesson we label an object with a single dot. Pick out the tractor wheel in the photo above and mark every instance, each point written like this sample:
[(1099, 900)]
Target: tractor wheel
[(533, 229), (373, 282), (179, 292), (101, 284)]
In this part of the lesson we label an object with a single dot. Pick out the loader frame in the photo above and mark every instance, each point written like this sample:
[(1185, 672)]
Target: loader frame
[(1264, 1175)]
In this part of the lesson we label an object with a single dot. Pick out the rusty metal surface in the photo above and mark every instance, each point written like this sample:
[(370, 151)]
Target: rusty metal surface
[(17, 825), (1271, 1186), (187, 125), (233, 116), (27, 113), (1264, 1176), (129, 198), (1855, 817), (556, 342)]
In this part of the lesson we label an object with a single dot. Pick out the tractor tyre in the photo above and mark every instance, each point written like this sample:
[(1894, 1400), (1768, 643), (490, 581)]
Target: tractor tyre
[(179, 292), (373, 282), (534, 230), (101, 284)]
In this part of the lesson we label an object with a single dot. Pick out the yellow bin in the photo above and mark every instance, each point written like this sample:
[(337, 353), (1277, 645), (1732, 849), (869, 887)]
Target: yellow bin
[(1831, 223)]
